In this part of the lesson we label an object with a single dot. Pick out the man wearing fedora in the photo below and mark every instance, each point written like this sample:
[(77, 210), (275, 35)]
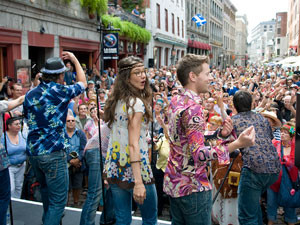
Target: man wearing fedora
[(45, 108)]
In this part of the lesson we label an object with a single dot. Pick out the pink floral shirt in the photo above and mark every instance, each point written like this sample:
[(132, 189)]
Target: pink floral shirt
[(186, 171)]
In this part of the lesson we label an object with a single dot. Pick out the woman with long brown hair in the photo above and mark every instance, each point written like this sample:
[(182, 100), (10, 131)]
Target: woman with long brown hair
[(127, 167)]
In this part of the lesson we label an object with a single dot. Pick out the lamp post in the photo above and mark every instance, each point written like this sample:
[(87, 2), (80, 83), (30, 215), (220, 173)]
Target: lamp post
[(192, 38)]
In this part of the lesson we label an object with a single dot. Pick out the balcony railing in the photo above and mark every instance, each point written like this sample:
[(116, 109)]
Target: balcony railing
[(131, 18)]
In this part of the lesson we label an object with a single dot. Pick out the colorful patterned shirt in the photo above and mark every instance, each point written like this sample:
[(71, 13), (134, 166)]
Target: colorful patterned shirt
[(45, 109), (262, 157), (4, 160), (186, 171)]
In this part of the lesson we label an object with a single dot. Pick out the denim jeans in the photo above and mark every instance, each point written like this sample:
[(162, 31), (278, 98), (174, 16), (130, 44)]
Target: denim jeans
[(290, 215), (251, 187), (109, 207), (193, 209), (52, 173), (88, 214), (123, 204), (4, 194), (16, 175)]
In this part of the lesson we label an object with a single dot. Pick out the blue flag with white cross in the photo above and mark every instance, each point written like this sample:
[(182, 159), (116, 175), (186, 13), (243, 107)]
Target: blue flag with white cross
[(199, 20)]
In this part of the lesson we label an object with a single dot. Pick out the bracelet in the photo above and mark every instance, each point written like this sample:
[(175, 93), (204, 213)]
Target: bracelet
[(135, 161)]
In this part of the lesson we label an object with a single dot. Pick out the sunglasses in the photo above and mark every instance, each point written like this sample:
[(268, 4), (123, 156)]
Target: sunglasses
[(70, 121)]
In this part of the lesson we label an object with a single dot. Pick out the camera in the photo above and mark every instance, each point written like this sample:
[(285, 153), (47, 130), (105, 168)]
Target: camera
[(74, 155), (9, 78)]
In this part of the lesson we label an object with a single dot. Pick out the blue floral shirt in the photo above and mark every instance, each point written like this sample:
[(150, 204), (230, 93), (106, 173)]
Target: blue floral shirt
[(45, 109), (262, 157)]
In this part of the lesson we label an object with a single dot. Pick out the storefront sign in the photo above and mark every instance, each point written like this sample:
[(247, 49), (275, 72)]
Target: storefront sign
[(110, 45)]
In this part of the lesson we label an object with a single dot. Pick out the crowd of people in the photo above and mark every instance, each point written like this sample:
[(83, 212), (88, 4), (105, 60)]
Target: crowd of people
[(169, 131)]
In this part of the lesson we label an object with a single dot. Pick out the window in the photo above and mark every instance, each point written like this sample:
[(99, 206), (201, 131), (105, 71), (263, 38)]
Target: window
[(278, 40), (166, 56), (173, 23), (166, 20), (279, 19), (182, 28), (158, 15), (278, 30), (178, 27), (278, 51)]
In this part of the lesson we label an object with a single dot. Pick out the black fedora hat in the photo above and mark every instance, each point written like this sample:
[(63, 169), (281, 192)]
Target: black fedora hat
[(54, 65)]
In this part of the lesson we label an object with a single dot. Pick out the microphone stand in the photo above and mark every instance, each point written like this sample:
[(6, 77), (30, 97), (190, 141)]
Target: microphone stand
[(5, 145), (100, 149)]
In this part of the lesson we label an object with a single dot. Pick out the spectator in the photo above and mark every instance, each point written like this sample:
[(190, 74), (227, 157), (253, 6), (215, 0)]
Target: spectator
[(287, 147), (106, 80), (135, 11), (5, 89), (16, 148), (69, 77), (5, 193), (91, 126), (77, 142), (82, 117), (17, 91)]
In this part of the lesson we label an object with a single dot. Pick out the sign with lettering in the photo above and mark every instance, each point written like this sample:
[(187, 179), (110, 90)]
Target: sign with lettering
[(110, 45)]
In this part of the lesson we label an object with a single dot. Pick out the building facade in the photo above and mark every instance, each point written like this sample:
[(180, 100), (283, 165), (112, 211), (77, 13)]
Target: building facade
[(37, 30), (293, 27), (166, 21), (261, 37), (229, 29), (216, 32), (198, 37), (281, 39), (241, 34)]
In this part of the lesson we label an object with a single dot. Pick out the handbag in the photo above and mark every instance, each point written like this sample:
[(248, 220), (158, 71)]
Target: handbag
[(289, 191)]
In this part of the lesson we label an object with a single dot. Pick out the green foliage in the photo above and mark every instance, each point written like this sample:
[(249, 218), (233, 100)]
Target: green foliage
[(95, 6), (127, 29), (129, 5)]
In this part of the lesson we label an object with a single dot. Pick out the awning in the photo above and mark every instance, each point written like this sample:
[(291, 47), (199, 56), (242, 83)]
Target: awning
[(198, 44), (171, 42)]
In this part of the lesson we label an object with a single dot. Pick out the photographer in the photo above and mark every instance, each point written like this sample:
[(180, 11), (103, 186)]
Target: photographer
[(5, 90)]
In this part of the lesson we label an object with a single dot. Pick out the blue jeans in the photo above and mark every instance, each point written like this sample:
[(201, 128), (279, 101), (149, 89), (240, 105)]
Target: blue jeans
[(251, 187), (52, 173), (4, 194), (193, 209), (290, 215), (123, 204), (88, 214)]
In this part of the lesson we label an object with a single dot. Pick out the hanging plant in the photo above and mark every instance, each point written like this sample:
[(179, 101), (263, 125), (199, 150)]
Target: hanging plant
[(128, 29), (95, 6)]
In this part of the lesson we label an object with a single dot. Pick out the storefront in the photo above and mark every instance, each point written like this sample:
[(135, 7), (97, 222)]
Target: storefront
[(198, 48), (10, 50), (87, 51)]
